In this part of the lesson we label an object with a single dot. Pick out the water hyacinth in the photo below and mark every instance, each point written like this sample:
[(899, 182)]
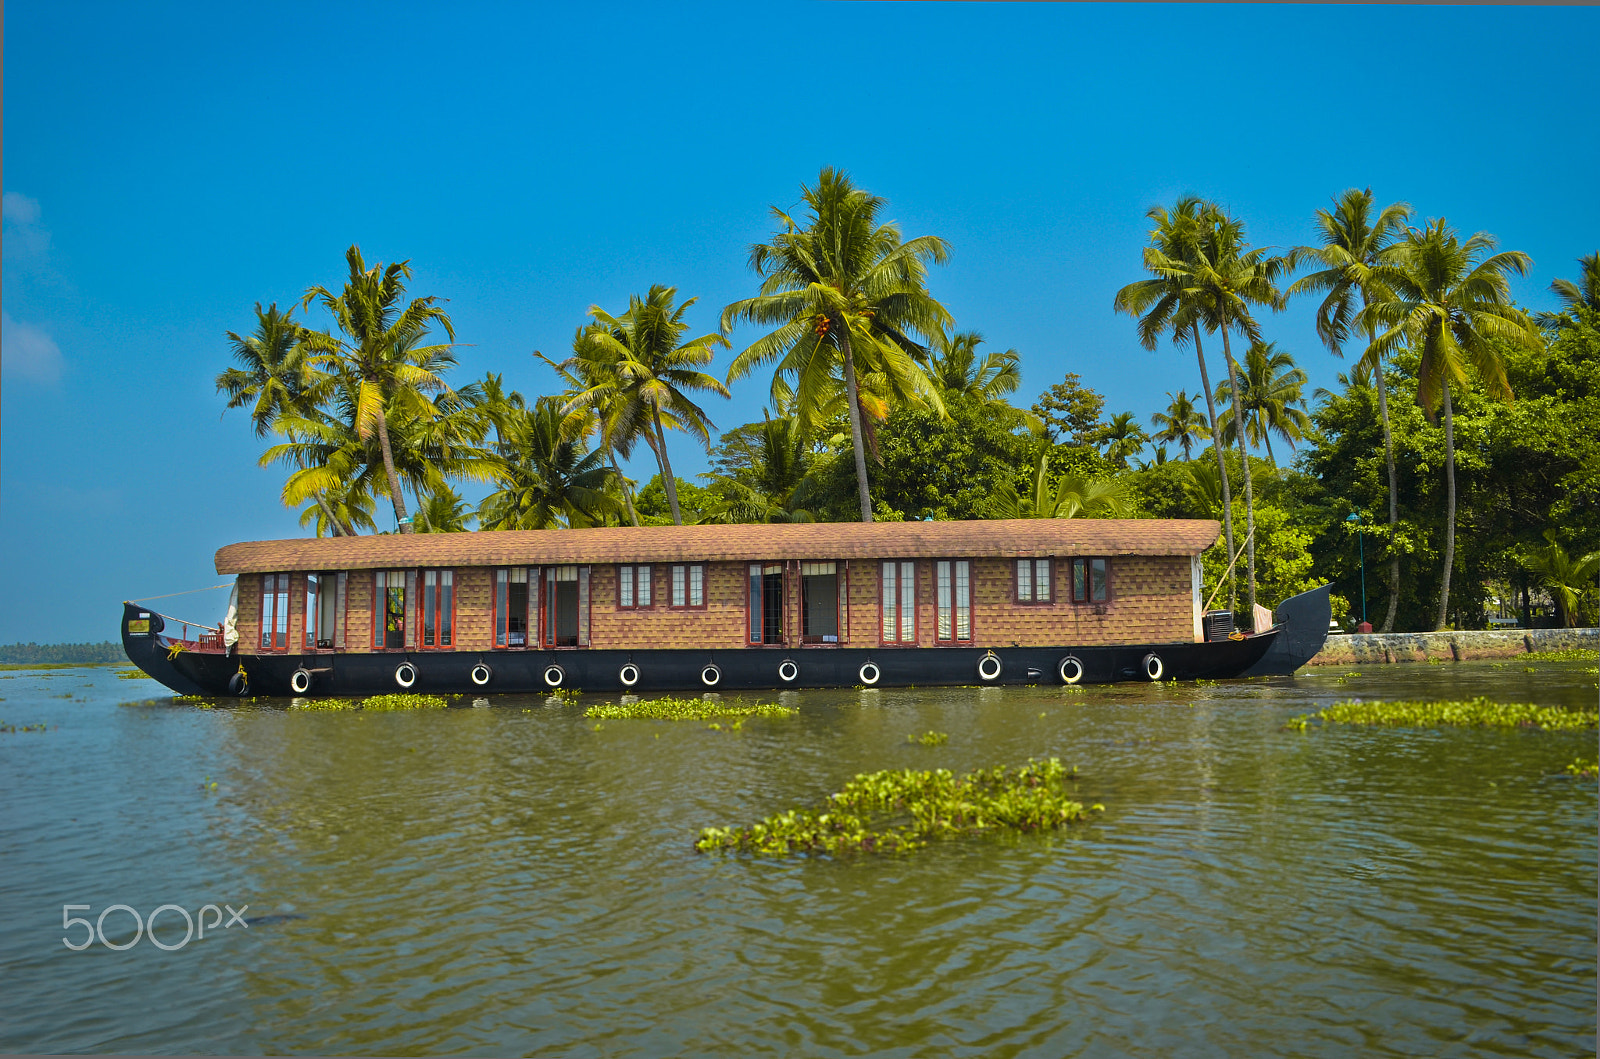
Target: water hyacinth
[(374, 703), (669, 708), (931, 738), (902, 810), (1564, 654), (1472, 713)]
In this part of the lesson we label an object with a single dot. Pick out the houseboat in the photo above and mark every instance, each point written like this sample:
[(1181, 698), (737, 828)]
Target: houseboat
[(659, 608)]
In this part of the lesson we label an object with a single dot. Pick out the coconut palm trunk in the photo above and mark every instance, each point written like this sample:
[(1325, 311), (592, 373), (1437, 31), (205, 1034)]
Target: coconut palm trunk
[(1249, 489), (401, 517), (1394, 502), (627, 494), (1222, 464), (853, 397), (339, 529), (1449, 506), (668, 482)]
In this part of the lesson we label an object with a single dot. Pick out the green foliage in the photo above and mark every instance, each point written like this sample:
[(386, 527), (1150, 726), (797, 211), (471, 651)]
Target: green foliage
[(929, 738), (902, 811), (1071, 412), (374, 703), (695, 503), (61, 654), (1473, 713), (1565, 654), (1584, 768), (670, 708)]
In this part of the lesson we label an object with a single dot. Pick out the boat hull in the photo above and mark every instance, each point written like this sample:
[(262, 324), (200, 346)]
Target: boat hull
[(663, 669)]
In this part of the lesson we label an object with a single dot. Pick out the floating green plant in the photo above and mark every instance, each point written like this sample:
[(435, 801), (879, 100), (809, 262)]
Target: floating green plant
[(13, 728), (669, 708), (931, 738), (1565, 654), (1584, 769), (374, 703), (898, 811), (565, 694), (1472, 713), (132, 674)]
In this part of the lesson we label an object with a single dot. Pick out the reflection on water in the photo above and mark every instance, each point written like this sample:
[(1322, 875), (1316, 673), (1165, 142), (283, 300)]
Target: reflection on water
[(511, 880)]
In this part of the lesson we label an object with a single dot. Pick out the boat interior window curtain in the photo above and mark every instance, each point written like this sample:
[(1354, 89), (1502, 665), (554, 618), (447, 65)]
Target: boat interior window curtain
[(274, 612), (899, 602), (1033, 581), (688, 585), (633, 586), (438, 608), (953, 589), (340, 606)]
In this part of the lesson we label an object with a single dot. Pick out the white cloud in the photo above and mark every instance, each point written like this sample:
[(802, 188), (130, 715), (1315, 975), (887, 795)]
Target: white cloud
[(28, 352), (26, 240), (19, 208)]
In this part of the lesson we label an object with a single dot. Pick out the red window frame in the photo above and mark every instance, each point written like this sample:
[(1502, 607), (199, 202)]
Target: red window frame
[(688, 579), (1033, 573), (437, 595), (899, 639), (380, 609), (501, 606), (972, 625), (1086, 563), (815, 639), (634, 581), (275, 604)]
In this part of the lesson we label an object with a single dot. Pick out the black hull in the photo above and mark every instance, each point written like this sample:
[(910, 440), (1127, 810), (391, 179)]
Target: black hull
[(660, 670)]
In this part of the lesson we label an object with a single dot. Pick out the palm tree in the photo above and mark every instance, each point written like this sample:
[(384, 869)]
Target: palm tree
[(1181, 423), (641, 365), (607, 411), (442, 511), (1585, 294), (955, 368), (276, 370), (1068, 496), (380, 350), (544, 478), (279, 377), (1123, 437), (846, 297), (1272, 399), (1450, 303), (1355, 236), (1166, 305), (1567, 578), (763, 475), (1227, 279)]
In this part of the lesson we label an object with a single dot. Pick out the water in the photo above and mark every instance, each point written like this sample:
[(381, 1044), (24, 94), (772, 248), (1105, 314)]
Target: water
[(508, 880)]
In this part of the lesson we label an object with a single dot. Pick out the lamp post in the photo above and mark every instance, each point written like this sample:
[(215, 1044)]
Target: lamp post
[(1361, 548)]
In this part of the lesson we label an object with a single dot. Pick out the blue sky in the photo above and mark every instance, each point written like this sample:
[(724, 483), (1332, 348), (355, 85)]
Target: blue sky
[(166, 167)]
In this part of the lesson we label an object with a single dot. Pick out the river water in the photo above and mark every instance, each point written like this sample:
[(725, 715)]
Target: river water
[(510, 880)]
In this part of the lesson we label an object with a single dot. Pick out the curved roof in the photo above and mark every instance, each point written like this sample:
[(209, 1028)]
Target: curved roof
[(1000, 538)]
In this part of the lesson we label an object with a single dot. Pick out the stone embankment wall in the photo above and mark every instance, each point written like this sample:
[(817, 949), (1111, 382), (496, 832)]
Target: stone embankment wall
[(1373, 647)]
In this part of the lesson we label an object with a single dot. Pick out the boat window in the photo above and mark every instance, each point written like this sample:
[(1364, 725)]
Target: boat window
[(819, 602), (511, 600), (389, 608), (274, 612), (566, 606), (322, 610), (1033, 581), (438, 608), (633, 586), (954, 590), (766, 603), (688, 585), (899, 602), (1091, 580)]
